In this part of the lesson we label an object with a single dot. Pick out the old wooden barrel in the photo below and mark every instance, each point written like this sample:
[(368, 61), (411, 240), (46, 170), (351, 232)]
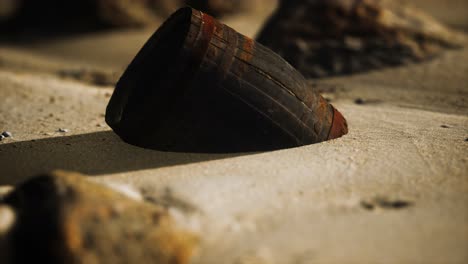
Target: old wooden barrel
[(199, 86)]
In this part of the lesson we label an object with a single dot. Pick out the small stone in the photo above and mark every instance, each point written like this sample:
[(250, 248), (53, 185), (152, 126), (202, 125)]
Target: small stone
[(444, 126), (359, 101), (385, 203), (63, 130), (7, 134)]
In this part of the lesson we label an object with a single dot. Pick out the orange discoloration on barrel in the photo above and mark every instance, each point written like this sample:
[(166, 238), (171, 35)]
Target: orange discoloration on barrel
[(248, 47), (339, 125), (245, 55), (208, 27), (219, 28)]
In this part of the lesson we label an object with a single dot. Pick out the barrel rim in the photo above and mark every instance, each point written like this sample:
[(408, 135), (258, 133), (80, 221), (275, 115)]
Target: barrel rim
[(120, 98), (183, 15)]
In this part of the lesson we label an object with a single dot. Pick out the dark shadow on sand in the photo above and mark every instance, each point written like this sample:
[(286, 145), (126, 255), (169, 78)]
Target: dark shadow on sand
[(93, 154)]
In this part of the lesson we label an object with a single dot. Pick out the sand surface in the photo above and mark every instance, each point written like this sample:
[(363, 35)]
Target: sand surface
[(394, 190)]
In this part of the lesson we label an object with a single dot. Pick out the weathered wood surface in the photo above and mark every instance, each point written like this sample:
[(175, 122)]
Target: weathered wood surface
[(335, 37), (218, 91)]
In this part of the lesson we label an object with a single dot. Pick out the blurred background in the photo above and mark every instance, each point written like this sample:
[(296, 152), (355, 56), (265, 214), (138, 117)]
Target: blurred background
[(54, 16), (106, 34), (20, 17)]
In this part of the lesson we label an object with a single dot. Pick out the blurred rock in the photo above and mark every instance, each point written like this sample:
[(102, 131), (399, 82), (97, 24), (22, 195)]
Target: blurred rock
[(146, 12), (51, 16), (335, 37), (222, 7), (8, 9), (4, 191), (64, 218), (135, 12), (67, 17)]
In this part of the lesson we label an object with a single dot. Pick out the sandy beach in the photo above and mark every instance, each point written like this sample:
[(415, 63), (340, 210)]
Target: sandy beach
[(394, 190)]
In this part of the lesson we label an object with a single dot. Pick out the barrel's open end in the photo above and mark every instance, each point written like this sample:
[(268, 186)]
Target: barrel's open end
[(339, 125), (149, 79)]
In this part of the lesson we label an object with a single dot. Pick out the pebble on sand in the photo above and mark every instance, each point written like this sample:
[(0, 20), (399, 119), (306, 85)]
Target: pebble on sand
[(7, 134), (359, 101), (63, 130)]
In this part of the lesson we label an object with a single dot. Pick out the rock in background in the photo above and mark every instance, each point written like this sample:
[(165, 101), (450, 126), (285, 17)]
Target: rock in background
[(64, 218), (326, 38), (144, 12), (127, 13), (8, 9), (222, 7), (87, 15)]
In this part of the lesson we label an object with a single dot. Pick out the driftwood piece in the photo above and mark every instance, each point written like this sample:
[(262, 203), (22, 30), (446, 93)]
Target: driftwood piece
[(64, 218), (199, 86), (335, 37)]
